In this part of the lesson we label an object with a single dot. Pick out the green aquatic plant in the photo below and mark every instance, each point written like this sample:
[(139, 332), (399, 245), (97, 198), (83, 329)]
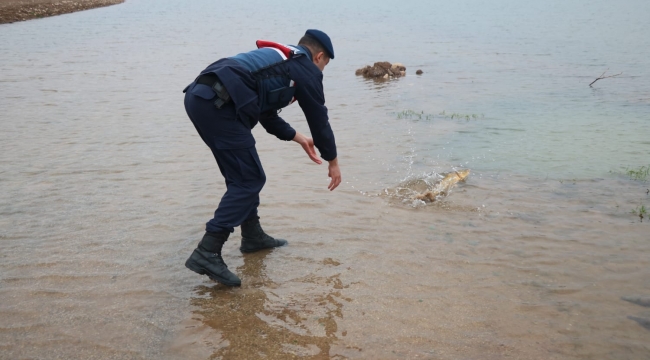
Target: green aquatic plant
[(467, 117), (414, 115), (641, 211), (410, 114), (640, 173)]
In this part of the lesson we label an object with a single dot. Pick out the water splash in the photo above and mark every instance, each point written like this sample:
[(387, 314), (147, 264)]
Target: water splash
[(420, 190)]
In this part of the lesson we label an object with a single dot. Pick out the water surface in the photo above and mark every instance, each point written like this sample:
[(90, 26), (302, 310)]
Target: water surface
[(106, 186)]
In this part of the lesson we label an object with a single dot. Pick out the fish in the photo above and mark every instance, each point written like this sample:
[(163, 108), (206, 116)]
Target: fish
[(443, 186)]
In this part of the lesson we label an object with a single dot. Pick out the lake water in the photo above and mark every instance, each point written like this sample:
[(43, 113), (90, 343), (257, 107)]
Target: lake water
[(538, 255)]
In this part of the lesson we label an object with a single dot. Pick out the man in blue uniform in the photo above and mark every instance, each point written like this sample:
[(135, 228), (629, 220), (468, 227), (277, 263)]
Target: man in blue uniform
[(225, 102)]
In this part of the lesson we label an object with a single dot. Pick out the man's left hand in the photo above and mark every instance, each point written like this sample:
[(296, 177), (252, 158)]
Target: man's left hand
[(334, 172)]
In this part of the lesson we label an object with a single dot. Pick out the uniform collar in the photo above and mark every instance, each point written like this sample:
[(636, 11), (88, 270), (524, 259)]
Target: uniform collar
[(306, 51)]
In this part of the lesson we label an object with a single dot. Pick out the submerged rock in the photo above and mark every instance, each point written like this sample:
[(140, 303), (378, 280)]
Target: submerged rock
[(638, 300), (641, 321), (382, 70)]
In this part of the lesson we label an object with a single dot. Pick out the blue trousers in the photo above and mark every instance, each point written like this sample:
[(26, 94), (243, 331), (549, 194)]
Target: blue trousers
[(233, 146)]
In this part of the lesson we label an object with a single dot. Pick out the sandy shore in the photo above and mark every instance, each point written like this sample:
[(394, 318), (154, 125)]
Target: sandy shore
[(19, 10)]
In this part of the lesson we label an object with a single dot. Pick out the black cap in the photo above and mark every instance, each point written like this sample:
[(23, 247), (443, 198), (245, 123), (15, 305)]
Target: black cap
[(323, 39)]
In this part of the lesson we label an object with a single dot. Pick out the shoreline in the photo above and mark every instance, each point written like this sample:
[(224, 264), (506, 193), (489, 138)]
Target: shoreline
[(22, 10)]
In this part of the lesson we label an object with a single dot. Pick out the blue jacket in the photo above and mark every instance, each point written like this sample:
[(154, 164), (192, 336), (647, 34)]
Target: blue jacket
[(235, 74)]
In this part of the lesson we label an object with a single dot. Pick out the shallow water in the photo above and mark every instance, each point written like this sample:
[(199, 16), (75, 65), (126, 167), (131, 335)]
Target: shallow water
[(106, 186)]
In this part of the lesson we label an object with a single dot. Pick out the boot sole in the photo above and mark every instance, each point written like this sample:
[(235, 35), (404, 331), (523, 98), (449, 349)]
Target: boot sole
[(255, 250), (201, 271)]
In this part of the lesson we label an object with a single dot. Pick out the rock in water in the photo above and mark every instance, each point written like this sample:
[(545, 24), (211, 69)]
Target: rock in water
[(382, 70)]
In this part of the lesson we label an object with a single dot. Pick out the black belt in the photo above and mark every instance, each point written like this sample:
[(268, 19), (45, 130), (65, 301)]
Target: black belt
[(223, 98), (213, 81)]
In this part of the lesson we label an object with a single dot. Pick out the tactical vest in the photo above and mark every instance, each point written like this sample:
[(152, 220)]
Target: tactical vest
[(268, 65)]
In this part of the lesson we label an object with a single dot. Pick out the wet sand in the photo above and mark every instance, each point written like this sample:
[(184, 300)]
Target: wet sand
[(21, 10), (446, 281)]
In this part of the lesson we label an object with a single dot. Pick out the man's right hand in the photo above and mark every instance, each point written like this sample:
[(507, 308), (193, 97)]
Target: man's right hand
[(307, 144), (333, 170)]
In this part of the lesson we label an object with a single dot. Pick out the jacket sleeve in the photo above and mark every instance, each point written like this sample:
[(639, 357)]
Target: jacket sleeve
[(275, 125), (311, 99)]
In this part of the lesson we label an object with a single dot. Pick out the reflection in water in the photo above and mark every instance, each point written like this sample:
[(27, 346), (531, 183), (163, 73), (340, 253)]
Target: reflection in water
[(262, 319), (378, 84)]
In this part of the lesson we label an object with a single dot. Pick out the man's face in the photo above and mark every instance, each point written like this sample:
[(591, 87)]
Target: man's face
[(321, 60)]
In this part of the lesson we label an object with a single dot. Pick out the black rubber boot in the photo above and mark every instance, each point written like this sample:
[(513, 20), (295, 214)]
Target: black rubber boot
[(206, 259), (253, 238)]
